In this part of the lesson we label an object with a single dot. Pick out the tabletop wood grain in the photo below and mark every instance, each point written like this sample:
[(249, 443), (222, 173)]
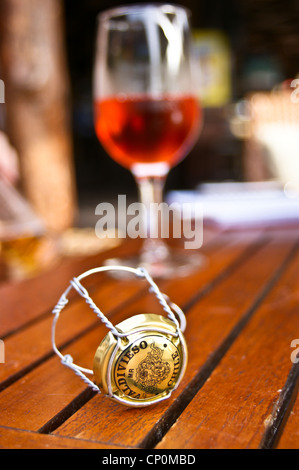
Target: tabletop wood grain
[(240, 387)]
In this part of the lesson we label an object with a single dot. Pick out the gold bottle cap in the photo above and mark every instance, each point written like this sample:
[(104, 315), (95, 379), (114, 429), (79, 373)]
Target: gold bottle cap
[(144, 366)]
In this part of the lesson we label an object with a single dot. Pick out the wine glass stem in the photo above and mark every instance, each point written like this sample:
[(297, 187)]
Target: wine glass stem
[(151, 196)]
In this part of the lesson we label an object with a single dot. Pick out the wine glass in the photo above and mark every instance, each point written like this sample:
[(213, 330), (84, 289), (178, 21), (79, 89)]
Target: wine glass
[(147, 114)]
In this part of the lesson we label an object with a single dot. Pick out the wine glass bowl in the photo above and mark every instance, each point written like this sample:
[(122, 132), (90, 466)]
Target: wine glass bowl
[(141, 131), (147, 113)]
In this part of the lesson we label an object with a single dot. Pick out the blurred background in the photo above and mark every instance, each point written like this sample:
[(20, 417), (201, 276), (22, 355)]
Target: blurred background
[(248, 57)]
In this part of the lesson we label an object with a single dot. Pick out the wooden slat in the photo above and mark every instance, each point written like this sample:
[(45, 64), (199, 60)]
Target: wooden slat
[(18, 439), (210, 322), (235, 407), (49, 388)]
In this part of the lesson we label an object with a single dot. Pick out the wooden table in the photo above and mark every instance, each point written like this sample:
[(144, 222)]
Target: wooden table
[(240, 386)]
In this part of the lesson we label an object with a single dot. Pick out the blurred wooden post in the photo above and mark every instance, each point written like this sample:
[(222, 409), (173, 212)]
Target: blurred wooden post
[(33, 65)]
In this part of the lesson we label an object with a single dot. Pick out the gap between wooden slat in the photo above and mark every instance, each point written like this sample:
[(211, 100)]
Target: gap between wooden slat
[(68, 411), (256, 245), (281, 410), (173, 412)]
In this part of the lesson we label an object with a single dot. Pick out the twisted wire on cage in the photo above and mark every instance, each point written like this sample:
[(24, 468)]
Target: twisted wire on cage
[(84, 293), (67, 361)]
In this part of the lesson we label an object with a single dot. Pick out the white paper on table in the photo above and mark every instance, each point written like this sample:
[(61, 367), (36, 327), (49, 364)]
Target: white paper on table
[(240, 203)]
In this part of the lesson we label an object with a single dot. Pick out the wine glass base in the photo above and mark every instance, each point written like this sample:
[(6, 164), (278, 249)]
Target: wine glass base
[(177, 264)]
